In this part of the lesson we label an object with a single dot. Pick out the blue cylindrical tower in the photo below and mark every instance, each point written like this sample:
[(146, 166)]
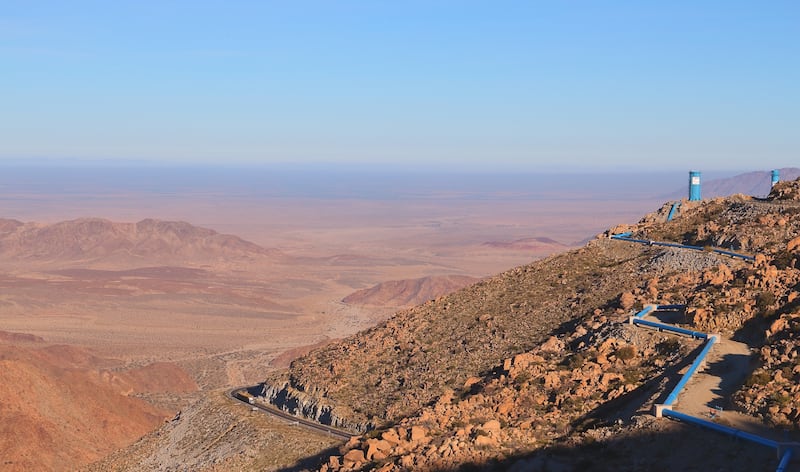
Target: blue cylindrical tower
[(694, 185), (776, 176)]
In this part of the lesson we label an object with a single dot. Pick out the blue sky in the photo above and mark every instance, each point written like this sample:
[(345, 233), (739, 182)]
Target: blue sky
[(490, 85)]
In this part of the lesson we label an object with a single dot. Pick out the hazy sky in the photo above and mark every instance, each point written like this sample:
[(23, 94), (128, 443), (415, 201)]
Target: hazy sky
[(497, 85)]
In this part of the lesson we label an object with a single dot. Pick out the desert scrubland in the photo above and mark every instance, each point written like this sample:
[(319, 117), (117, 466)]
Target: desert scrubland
[(217, 278)]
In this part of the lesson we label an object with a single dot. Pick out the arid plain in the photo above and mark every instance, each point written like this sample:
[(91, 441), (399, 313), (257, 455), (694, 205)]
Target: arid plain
[(120, 264)]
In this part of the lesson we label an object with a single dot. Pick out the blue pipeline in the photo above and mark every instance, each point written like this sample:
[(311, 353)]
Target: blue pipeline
[(674, 329), (680, 246), (672, 210), (632, 240), (626, 237), (776, 176), (673, 396), (733, 254), (642, 313), (722, 429), (787, 456)]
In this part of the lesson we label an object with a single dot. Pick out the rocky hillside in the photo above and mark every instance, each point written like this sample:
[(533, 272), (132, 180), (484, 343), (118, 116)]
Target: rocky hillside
[(505, 370), (148, 241), (528, 244), (390, 371), (62, 407), (409, 292)]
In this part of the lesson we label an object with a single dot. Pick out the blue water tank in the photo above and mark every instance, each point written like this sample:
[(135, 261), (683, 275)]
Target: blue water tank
[(694, 185), (776, 176)]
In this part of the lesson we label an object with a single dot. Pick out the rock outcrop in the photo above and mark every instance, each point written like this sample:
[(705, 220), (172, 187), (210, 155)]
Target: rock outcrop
[(295, 400)]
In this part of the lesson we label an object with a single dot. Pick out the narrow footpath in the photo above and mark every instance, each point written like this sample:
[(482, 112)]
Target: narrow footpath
[(707, 394), (705, 389)]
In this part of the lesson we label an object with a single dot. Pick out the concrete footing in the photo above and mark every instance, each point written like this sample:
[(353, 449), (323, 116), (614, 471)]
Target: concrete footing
[(659, 409)]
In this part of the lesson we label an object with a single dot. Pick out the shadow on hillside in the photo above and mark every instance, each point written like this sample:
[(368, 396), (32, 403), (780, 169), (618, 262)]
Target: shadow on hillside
[(665, 446), (679, 448), (670, 316), (616, 454), (312, 462), (732, 370), (752, 331), (675, 446)]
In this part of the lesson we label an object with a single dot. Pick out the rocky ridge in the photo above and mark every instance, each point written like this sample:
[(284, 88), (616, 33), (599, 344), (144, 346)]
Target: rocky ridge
[(530, 358)]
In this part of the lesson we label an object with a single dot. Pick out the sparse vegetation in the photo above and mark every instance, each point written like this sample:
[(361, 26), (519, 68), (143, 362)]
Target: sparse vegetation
[(626, 353), (764, 303), (668, 346), (758, 378)]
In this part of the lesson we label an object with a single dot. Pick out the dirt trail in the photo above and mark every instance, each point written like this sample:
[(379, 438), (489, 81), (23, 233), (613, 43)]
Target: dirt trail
[(727, 365)]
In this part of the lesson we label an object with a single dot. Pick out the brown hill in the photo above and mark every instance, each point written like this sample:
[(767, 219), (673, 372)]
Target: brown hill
[(409, 292), (528, 244), (63, 407), (91, 239), (9, 337)]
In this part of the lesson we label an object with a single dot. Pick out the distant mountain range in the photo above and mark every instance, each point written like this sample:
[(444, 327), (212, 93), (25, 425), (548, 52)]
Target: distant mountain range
[(148, 241), (528, 244), (751, 183)]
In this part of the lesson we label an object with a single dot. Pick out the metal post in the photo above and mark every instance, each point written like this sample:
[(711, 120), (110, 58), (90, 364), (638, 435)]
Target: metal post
[(694, 185)]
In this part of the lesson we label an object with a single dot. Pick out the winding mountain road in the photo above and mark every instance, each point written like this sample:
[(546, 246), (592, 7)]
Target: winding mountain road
[(237, 395)]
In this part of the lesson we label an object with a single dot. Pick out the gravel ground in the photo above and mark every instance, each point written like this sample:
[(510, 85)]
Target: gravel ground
[(683, 260)]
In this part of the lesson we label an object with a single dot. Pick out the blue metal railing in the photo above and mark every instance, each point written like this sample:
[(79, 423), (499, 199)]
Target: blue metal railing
[(733, 254), (673, 396)]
